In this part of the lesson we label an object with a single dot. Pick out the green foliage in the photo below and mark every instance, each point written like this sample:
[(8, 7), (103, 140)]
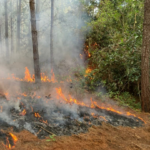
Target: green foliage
[(116, 28), (51, 138), (126, 99)]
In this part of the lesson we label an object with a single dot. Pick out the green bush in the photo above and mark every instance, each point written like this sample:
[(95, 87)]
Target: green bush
[(115, 58)]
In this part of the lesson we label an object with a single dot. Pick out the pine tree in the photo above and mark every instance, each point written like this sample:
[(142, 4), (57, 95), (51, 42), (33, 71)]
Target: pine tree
[(35, 42)]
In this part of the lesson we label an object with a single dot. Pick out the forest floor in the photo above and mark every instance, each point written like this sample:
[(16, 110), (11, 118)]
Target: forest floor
[(105, 137)]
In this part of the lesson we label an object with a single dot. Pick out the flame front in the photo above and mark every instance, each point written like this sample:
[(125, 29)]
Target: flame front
[(31, 78), (70, 100), (92, 105)]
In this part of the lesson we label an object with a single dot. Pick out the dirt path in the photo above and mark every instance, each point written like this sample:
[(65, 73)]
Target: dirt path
[(105, 137)]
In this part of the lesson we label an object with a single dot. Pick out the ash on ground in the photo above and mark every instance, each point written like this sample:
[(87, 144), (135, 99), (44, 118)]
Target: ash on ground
[(43, 118)]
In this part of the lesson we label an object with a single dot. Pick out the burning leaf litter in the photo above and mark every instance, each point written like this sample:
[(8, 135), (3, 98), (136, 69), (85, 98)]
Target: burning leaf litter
[(9, 139), (52, 116), (56, 114)]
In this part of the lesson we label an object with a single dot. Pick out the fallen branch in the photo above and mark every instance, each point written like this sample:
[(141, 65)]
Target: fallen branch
[(138, 146), (40, 123), (46, 130)]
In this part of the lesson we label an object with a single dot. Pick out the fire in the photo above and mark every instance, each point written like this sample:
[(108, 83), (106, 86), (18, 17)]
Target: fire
[(70, 100), (103, 118), (14, 139), (86, 51), (6, 95), (28, 77), (31, 78), (45, 78), (88, 70), (37, 115), (8, 145), (93, 104), (45, 122), (23, 113), (94, 116), (22, 94)]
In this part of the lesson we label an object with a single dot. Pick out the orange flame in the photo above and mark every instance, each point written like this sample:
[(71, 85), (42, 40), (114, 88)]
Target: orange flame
[(6, 95), (14, 138), (28, 76), (37, 115), (94, 116), (86, 51), (93, 104), (103, 118), (23, 112), (88, 70), (31, 78)]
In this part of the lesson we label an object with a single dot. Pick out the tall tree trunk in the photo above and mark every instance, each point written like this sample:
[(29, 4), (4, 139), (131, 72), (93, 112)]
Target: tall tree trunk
[(37, 15), (18, 24), (1, 39), (6, 29), (51, 35), (29, 36), (145, 94), (35, 43), (12, 42)]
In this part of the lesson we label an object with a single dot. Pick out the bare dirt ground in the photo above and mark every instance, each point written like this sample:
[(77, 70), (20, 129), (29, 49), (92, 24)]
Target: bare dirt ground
[(105, 137)]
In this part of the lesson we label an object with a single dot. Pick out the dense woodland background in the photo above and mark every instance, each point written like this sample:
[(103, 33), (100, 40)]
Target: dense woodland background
[(117, 29)]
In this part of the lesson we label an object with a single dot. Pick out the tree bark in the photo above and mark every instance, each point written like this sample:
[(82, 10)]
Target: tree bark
[(37, 11), (18, 24), (6, 29), (12, 41), (37, 16), (51, 35), (1, 39), (35, 43), (29, 36), (145, 94)]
